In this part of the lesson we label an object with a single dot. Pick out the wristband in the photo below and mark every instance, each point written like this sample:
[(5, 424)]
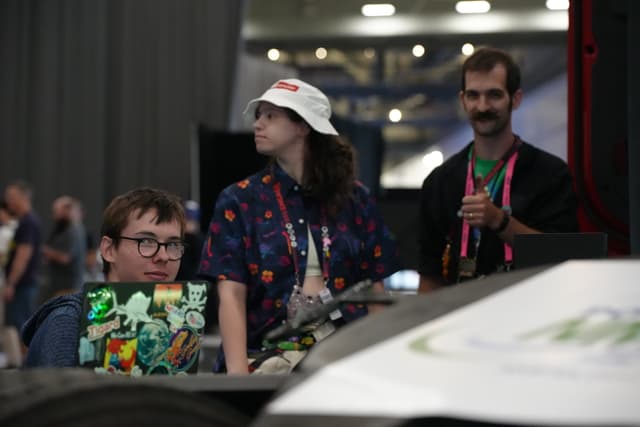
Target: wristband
[(504, 223)]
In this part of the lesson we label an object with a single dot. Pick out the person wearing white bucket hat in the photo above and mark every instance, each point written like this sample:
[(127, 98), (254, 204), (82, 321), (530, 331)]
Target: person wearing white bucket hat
[(295, 234), (306, 100)]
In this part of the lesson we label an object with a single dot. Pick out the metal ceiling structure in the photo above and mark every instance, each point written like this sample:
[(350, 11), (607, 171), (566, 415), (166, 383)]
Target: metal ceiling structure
[(370, 69)]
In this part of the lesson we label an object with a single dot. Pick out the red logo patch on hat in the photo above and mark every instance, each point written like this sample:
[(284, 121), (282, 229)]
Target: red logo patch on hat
[(284, 85)]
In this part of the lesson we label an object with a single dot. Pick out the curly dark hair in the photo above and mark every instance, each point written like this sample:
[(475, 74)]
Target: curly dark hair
[(329, 169)]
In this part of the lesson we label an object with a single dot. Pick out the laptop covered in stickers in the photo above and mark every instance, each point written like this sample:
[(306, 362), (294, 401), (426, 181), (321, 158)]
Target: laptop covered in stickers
[(142, 328)]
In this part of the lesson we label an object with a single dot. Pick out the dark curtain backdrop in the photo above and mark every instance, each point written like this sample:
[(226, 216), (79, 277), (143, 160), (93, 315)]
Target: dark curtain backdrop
[(97, 97)]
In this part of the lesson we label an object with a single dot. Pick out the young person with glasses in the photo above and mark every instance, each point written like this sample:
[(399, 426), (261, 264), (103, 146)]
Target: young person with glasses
[(142, 240)]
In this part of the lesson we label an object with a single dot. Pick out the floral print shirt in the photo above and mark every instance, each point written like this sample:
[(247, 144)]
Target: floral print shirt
[(247, 243)]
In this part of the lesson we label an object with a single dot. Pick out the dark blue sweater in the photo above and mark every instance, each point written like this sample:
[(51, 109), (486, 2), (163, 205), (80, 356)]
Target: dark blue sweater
[(52, 333)]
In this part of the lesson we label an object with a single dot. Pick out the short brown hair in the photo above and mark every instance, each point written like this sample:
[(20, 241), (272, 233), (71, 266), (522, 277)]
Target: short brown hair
[(484, 59), (116, 216)]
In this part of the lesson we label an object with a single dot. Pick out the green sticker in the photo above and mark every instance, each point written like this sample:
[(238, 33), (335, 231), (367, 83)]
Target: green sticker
[(101, 302)]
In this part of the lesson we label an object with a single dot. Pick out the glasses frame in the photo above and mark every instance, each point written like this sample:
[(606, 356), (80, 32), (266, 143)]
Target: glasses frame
[(139, 240)]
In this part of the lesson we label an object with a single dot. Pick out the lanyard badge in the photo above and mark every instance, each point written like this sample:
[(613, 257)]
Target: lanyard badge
[(467, 265), (466, 268)]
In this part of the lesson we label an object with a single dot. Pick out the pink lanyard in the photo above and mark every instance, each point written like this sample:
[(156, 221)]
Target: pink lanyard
[(506, 201), (292, 244)]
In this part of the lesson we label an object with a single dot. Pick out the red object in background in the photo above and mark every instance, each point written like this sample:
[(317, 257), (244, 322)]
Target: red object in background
[(593, 214)]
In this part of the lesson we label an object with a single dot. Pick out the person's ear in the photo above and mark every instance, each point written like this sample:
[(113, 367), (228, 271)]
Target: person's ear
[(516, 99), (107, 249), (461, 99), (304, 129)]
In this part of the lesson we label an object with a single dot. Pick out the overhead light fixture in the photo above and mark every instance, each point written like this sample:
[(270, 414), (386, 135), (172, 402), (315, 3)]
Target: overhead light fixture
[(321, 53), (467, 49), (369, 53), (480, 6), (273, 54), (381, 9), (557, 4), (418, 50), (395, 115)]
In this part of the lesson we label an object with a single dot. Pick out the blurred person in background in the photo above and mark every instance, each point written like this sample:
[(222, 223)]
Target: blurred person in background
[(8, 225), (24, 255), (23, 264), (92, 260), (65, 249), (193, 239)]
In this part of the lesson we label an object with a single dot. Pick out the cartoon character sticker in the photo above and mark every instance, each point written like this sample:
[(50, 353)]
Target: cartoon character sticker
[(135, 310), (183, 349), (197, 298)]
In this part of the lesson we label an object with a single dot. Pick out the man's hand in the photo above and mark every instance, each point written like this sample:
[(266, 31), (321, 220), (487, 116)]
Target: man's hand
[(478, 209)]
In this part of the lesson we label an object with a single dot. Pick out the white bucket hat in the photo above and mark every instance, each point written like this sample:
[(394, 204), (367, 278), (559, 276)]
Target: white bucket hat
[(306, 100)]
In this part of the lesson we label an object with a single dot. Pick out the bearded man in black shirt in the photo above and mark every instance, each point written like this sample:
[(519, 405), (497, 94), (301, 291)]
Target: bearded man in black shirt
[(496, 187)]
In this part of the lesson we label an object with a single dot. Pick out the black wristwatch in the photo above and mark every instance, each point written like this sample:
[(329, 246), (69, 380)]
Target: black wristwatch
[(504, 223)]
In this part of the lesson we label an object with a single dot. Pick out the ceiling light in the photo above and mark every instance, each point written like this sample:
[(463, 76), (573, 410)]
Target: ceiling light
[(321, 53), (369, 53), (273, 54), (473, 6), (395, 115), (557, 4), (467, 49), (418, 50), (382, 9)]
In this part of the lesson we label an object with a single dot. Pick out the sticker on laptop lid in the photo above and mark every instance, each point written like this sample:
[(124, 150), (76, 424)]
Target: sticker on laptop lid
[(195, 320), (101, 302), (183, 349)]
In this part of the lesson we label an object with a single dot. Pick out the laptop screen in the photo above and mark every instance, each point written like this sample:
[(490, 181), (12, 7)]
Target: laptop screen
[(142, 328)]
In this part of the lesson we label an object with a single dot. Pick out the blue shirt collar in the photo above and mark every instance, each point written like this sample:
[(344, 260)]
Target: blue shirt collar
[(286, 182)]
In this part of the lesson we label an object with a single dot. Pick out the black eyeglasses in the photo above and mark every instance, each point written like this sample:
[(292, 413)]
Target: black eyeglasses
[(149, 247)]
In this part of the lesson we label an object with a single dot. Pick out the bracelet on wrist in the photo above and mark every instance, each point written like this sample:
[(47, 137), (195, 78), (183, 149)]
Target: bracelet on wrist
[(504, 223)]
